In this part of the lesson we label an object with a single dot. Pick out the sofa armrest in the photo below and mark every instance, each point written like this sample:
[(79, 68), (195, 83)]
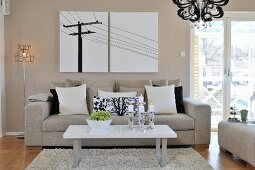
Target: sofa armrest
[(35, 113), (201, 113)]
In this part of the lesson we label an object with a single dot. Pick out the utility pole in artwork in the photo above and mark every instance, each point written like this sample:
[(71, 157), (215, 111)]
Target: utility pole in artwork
[(80, 33)]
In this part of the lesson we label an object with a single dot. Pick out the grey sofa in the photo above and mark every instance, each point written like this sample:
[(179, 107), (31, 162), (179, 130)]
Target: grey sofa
[(238, 139), (42, 129)]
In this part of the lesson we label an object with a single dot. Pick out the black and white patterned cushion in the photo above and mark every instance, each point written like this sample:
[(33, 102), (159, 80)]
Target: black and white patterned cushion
[(101, 104), (115, 105)]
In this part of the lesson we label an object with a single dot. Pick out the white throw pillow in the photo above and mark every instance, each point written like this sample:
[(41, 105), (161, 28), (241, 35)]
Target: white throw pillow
[(72, 100), (116, 94), (163, 98)]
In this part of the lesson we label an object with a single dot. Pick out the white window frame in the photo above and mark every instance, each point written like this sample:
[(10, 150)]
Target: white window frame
[(228, 17)]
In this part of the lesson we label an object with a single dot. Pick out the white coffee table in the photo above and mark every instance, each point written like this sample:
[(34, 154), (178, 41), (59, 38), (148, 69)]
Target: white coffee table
[(79, 132)]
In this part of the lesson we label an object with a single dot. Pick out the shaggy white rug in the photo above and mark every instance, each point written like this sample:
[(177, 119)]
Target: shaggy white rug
[(119, 159)]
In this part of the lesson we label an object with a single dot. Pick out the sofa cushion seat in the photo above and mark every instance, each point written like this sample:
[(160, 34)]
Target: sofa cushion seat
[(178, 122), (59, 123)]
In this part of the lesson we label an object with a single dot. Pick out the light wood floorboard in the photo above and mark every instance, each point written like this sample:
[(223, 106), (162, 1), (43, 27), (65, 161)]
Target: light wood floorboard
[(221, 160), (15, 156)]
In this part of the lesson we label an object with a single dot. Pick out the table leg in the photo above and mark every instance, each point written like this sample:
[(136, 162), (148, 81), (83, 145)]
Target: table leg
[(158, 149), (80, 150), (164, 152), (161, 157), (76, 152)]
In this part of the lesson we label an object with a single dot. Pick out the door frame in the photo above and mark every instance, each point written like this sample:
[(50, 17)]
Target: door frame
[(227, 18), (230, 16)]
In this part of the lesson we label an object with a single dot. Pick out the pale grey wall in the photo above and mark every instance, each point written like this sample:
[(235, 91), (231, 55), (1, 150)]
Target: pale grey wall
[(36, 22)]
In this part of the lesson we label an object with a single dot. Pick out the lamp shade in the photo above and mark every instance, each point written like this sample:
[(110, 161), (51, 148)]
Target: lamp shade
[(24, 54)]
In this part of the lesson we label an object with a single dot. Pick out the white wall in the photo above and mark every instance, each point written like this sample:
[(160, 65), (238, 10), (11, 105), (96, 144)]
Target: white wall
[(2, 79)]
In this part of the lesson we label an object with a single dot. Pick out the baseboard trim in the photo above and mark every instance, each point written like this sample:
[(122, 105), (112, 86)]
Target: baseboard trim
[(250, 166), (3, 134), (14, 133)]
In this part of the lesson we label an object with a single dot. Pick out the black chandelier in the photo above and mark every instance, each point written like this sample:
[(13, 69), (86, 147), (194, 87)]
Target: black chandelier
[(200, 11)]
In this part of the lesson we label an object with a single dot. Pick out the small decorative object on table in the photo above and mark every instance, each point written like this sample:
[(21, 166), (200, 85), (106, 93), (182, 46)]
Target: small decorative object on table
[(244, 114), (131, 117), (141, 114), (141, 121), (152, 116), (99, 120), (233, 114)]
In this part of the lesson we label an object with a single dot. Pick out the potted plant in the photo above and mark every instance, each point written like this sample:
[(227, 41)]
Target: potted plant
[(244, 114), (99, 120)]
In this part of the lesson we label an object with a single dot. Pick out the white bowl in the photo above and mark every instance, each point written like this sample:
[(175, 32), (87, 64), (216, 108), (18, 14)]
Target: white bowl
[(100, 125)]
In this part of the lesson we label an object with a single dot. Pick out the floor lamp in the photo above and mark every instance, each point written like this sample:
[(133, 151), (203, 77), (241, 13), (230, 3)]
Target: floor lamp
[(24, 55)]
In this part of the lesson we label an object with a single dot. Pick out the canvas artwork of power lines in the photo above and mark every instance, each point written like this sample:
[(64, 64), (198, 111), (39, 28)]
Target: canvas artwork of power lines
[(108, 41)]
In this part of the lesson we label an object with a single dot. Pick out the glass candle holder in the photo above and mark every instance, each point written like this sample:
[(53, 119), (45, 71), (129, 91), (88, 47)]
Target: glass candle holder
[(141, 121), (152, 120), (130, 120)]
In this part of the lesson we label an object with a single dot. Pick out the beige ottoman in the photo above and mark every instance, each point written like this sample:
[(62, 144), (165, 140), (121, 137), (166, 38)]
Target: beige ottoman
[(239, 139)]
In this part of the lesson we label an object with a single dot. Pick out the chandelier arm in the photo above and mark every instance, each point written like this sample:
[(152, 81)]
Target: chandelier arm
[(192, 16), (206, 15), (219, 14), (188, 11), (180, 4), (196, 15), (218, 2)]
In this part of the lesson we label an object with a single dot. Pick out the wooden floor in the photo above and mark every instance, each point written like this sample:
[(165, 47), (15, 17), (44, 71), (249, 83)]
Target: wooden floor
[(15, 156), (218, 159)]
